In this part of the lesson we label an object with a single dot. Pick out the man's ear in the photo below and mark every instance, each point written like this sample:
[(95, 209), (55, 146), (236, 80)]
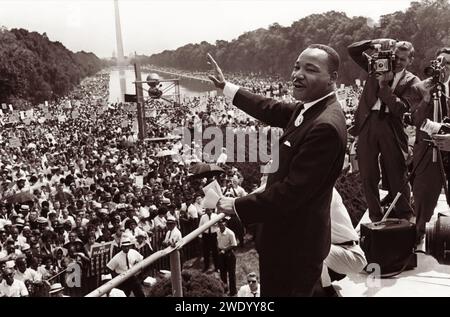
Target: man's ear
[(333, 77)]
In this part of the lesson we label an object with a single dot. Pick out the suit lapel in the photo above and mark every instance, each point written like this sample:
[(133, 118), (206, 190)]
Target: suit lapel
[(402, 84), (307, 115)]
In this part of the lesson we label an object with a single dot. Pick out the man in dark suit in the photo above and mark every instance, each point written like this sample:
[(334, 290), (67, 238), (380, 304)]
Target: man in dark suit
[(428, 178), (379, 126), (294, 209)]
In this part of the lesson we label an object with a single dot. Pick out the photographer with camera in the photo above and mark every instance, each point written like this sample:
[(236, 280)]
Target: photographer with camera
[(429, 177), (379, 120)]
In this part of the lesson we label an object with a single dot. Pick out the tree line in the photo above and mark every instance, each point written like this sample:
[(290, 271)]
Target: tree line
[(34, 69), (272, 51)]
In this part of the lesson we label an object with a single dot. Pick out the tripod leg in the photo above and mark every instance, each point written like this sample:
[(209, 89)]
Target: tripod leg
[(407, 182), (444, 177)]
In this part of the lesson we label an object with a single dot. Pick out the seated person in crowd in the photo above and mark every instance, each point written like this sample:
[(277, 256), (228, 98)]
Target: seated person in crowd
[(345, 256)]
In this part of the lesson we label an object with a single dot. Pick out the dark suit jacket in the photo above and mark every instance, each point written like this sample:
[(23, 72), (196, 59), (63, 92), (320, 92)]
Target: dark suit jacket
[(420, 110), (294, 210), (371, 92)]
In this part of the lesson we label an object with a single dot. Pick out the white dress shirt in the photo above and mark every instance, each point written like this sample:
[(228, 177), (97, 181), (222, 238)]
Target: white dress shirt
[(245, 291), (397, 77), (341, 225), (205, 218), (118, 263), (16, 289), (173, 236)]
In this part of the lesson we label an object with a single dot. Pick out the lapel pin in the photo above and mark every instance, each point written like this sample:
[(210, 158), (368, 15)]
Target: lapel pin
[(299, 120)]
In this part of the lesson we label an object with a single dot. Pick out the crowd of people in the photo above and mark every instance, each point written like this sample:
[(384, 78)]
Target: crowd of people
[(74, 174)]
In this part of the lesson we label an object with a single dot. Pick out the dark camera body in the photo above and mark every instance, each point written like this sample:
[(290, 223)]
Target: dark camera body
[(436, 70), (381, 62)]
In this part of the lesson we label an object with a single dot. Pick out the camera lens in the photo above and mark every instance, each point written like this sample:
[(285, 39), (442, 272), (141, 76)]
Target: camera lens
[(438, 240)]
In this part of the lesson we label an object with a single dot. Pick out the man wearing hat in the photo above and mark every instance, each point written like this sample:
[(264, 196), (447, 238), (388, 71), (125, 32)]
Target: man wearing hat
[(226, 242), (56, 290), (209, 240), (173, 234), (122, 262), (114, 292)]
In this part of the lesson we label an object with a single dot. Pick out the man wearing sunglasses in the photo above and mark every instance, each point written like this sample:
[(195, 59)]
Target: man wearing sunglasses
[(251, 289)]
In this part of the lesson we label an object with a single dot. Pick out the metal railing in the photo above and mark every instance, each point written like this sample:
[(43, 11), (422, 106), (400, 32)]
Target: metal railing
[(175, 263)]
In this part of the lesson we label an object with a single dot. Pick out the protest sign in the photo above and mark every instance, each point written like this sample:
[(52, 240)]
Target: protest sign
[(100, 256)]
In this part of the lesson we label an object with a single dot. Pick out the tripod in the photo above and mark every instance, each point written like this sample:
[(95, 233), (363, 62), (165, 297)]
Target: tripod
[(437, 157)]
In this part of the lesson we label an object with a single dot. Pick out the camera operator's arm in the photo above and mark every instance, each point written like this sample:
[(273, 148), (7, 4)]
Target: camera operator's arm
[(418, 99), (397, 106), (357, 49), (269, 111)]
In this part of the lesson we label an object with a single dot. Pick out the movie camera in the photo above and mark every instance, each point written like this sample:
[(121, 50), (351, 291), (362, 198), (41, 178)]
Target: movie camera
[(436, 70)]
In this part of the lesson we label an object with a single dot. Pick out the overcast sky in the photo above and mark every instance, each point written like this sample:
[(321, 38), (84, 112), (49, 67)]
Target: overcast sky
[(150, 26)]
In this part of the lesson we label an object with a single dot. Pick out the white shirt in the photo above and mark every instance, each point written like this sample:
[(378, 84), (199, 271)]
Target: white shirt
[(205, 218), (308, 105), (446, 88), (341, 225), (193, 211), (17, 289), (245, 291), (226, 239), (160, 222), (397, 77), (118, 263), (115, 292), (173, 236), (28, 275)]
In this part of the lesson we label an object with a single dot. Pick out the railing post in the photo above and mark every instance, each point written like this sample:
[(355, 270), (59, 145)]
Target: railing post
[(175, 269)]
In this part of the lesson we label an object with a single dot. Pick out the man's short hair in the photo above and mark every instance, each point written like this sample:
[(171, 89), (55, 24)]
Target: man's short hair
[(405, 46), (445, 50), (333, 57), (251, 275)]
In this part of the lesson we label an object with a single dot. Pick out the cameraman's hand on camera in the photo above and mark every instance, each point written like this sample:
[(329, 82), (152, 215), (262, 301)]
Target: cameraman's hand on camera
[(385, 44), (384, 78), (218, 79), (425, 88)]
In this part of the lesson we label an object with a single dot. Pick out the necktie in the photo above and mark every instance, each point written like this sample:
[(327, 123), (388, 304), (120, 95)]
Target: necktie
[(382, 112), (299, 118), (128, 263), (444, 101), (209, 218), (254, 294)]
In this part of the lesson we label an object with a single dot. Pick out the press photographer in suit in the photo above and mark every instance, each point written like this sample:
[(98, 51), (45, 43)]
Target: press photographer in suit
[(294, 209), (379, 121), (429, 178)]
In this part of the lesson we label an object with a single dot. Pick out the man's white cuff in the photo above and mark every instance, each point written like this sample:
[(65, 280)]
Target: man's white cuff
[(430, 127), (230, 90)]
